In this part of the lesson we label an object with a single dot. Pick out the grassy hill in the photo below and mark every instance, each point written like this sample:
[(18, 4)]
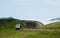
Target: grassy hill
[(55, 26), (9, 23), (7, 29)]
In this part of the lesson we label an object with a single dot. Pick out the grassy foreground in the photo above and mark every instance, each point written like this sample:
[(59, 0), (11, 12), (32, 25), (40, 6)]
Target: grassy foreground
[(29, 34)]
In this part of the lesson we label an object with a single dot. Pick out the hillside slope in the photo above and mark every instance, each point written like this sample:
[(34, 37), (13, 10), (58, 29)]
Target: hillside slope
[(9, 23), (7, 29), (55, 25)]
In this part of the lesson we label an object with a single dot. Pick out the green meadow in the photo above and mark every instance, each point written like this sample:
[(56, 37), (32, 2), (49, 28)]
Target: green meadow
[(8, 30), (29, 34)]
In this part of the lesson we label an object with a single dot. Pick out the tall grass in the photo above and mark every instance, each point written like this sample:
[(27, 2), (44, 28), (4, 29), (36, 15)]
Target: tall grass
[(29, 34)]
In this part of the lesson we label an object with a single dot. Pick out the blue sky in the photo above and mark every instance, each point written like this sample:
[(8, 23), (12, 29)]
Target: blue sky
[(30, 9)]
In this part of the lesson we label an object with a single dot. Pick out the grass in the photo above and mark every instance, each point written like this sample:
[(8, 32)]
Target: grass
[(54, 26), (7, 30), (11, 23), (29, 34)]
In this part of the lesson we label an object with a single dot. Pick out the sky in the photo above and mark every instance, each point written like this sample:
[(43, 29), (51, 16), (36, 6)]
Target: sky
[(40, 10)]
